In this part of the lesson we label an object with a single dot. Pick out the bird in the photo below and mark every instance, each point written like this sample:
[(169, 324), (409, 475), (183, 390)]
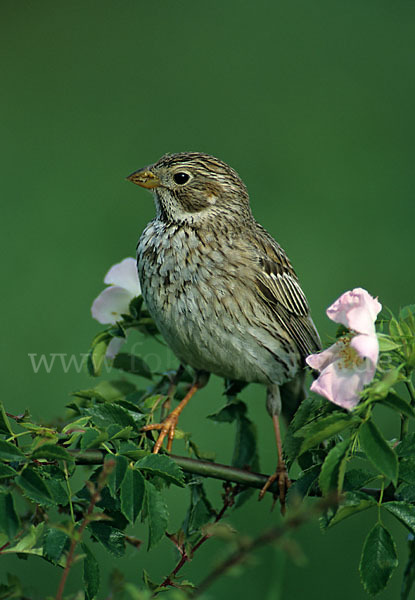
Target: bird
[(221, 290)]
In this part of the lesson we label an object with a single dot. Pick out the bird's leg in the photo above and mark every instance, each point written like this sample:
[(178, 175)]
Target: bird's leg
[(281, 473), (165, 409), (168, 426)]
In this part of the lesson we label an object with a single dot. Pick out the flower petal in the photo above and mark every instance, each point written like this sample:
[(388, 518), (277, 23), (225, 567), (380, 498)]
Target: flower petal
[(340, 386), (321, 360), (367, 346), (112, 302), (357, 310), (114, 347), (124, 274)]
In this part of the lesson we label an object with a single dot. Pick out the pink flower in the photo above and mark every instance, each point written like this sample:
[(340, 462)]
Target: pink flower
[(349, 364), (114, 300)]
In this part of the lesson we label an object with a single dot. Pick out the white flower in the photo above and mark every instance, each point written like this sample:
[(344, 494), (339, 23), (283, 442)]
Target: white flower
[(114, 300)]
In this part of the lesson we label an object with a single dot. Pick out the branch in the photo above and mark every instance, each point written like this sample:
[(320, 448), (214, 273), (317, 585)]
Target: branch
[(211, 469), (269, 536)]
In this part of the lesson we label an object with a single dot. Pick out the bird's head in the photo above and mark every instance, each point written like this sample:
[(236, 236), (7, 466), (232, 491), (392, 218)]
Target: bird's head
[(195, 188)]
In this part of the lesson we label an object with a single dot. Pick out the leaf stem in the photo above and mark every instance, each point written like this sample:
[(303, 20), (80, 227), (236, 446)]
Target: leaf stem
[(77, 535)]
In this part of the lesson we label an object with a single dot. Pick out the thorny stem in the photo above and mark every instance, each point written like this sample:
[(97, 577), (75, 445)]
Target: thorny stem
[(77, 536), (228, 500), (267, 537)]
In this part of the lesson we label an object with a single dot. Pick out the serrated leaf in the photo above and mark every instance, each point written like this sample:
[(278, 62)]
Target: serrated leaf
[(407, 446), (111, 414), (91, 574), (377, 450), (110, 537), (352, 503), (407, 469), (34, 487), (9, 451), (54, 543), (334, 467), (92, 438), (117, 474), (163, 466), (355, 479), (409, 572), (378, 559), (9, 519), (157, 515), (31, 543), (4, 422), (132, 364), (405, 492), (404, 512), (52, 452), (322, 429), (132, 494)]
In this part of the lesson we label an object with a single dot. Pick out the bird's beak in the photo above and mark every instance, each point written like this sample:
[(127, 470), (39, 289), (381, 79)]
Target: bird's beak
[(145, 178)]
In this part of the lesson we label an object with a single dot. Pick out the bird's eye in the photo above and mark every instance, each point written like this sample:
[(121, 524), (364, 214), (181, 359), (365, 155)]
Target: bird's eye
[(181, 178)]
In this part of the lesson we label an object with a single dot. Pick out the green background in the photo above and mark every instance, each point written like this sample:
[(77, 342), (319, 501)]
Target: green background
[(311, 102)]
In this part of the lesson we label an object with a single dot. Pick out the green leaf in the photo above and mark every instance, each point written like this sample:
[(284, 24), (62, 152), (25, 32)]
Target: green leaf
[(111, 414), (110, 537), (302, 484), (31, 543), (92, 438), (52, 452), (91, 574), (407, 469), (96, 357), (378, 451), (162, 465), (132, 364), (404, 512), (9, 451), (115, 478), (352, 503), (406, 492), (132, 494), (407, 446), (54, 543), (378, 559), (9, 520), (200, 510), (398, 404), (157, 515), (34, 487), (322, 429), (4, 422), (6, 471), (355, 479), (386, 343), (334, 467), (409, 573), (245, 448)]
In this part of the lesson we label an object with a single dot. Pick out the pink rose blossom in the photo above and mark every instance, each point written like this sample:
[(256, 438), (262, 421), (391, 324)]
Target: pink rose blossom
[(349, 364)]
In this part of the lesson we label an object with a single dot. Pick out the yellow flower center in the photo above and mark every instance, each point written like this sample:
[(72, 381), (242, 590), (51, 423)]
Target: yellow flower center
[(349, 358)]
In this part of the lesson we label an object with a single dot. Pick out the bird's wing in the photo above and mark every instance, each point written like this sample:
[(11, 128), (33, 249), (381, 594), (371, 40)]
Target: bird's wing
[(279, 289)]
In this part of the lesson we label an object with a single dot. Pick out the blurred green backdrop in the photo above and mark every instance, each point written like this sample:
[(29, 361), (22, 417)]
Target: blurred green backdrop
[(313, 104)]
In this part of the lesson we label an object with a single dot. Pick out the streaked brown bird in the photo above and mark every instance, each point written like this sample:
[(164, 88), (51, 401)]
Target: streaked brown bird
[(221, 290)]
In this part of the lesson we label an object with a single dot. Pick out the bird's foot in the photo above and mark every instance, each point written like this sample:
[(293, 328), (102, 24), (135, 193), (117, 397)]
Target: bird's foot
[(166, 428), (284, 483)]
